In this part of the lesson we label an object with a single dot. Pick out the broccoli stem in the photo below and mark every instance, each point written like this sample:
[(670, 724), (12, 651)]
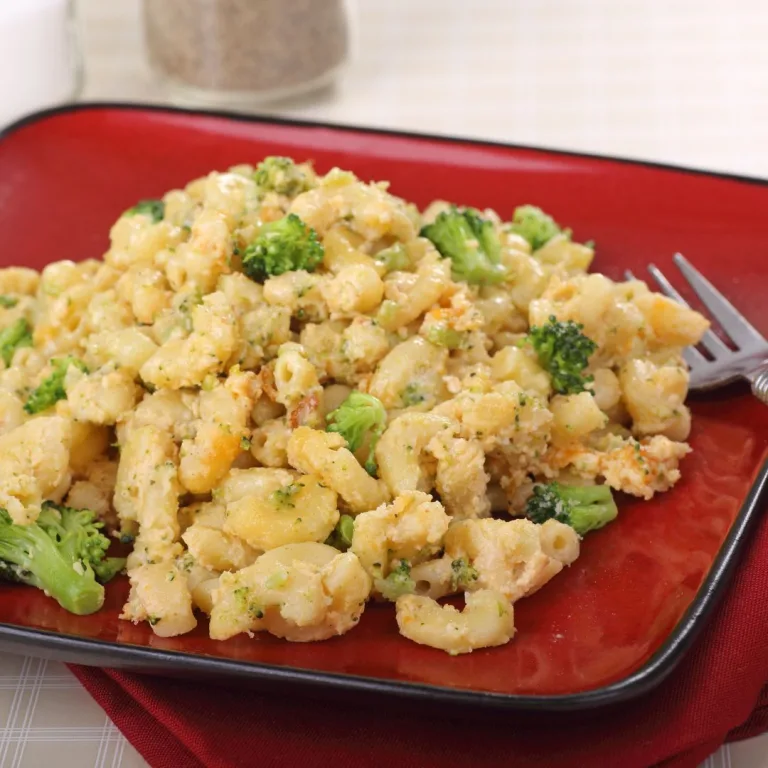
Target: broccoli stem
[(591, 506), (62, 553), (40, 563), (585, 508)]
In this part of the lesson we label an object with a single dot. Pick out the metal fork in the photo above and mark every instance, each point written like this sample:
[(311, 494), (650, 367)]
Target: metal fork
[(749, 359)]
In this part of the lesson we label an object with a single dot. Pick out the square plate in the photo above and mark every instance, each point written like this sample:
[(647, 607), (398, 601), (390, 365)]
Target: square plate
[(613, 625)]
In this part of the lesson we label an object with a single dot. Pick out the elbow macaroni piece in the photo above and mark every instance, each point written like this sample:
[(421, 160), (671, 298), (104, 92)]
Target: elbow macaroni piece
[(201, 583), (171, 411), (127, 348), (269, 443), (95, 489), (606, 390), (103, 397), (527, 281), (269, 508), (301, 592), (518, 365), (12, 413), (186, 362), (673, 324), (366, 209), (147, 492), (410, 528), (216, 550), (19, 280), (406, 301), (224, 410), (506, 416), (342, 250), (160, 595), (486, 621), (507, 555), (461, 479), (364, 343), (198, 263), (411, 375), (434, 578), (35, 463), (356, 288), (654, 396), (400, 451), (565, 255), (575, 417), (295, 377), (300, 292), (325, 455), (559, 541), (146, 291)]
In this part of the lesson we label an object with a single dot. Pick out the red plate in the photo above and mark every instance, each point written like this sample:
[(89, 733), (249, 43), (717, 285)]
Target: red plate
[(617, 621)]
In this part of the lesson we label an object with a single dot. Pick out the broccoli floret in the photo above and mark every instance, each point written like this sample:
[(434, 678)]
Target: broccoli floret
[(14, 336), (537, 227), (564, 351), (51, 389), (358, 416), (462, 574), (155, 209), (399, 582), (341, 536), (470, 242), (585, 508), (8, 302), (444, 336), (281, 175), (282, 246), (62, 553)]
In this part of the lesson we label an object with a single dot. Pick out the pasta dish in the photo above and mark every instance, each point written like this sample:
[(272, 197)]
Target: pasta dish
[(293, 395)]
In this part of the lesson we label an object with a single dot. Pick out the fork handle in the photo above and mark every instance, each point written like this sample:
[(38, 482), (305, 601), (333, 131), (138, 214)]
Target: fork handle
[(759, 381)]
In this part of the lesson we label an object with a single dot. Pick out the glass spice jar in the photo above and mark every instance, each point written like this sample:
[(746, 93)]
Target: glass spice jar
[(40, 63), (234, 53)]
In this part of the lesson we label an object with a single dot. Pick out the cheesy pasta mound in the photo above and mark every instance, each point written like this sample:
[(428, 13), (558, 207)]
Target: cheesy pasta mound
[(296, 393)]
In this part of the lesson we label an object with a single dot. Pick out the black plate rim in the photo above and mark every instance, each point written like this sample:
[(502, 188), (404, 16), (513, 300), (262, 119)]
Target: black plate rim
[(650, 675)]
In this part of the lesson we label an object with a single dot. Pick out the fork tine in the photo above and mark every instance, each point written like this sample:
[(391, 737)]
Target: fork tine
[(710, 341), (694, 358), (734, 323)]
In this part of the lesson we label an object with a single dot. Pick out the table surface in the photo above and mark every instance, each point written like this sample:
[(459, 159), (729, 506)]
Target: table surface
[(683, 82)]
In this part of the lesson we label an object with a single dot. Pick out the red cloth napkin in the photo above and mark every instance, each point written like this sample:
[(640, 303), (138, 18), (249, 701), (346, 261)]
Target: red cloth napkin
[(718, 693)]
